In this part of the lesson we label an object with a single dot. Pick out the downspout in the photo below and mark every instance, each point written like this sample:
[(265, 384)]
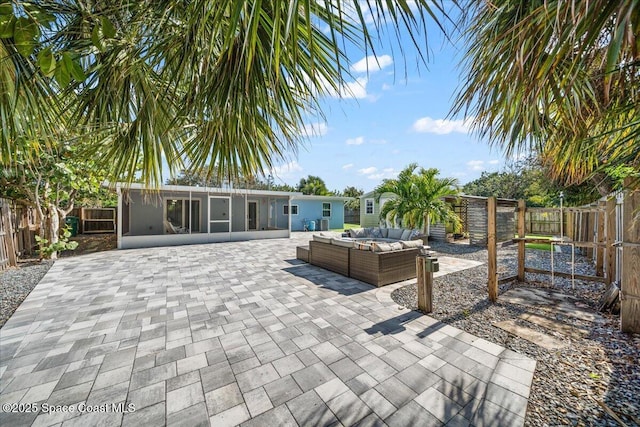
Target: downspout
[(119, 225), (289, 218)]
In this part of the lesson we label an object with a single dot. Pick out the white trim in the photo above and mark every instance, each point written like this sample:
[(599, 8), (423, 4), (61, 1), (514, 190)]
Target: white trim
[(208, 190), (119, 225), (164, 210), (157, 240), (330, 210), (289, 207), (218, 221), (373, 206)]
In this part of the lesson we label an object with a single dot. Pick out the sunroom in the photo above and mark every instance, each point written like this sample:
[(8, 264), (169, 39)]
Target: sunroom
[(180, 215)]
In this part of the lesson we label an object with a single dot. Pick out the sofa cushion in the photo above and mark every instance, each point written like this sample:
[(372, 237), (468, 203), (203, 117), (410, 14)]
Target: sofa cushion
[(381, 247), (332, 234), (376, 233), (343, 243), (322, 239), (406, 244), (405, 235), (395, 246), (385, 232), (395, 233), (414, 234), (357, 233)]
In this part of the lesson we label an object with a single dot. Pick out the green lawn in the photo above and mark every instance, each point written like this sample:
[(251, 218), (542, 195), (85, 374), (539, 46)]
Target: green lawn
[(539, 246), (346, 226)]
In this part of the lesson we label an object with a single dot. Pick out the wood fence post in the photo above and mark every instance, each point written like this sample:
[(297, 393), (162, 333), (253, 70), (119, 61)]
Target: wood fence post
[(492, 249), (568, 225), (630, 283), (600, 240), (522, 209), (425, 285), (610, 252), (8, 228)]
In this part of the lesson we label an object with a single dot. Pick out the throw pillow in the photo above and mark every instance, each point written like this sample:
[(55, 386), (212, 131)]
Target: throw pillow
[(381, 247), (411, 244), (395, 233), (414, 234), (376, 233), (385, 232), (405, 235), (395, 246), (356, 232)]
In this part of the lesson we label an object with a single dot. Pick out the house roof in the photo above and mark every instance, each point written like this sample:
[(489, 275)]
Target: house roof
[(460, 196), (194, 189), (327, 198)]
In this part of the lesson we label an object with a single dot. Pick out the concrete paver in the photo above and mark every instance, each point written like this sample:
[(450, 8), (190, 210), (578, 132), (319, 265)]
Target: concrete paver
[(242, 333)]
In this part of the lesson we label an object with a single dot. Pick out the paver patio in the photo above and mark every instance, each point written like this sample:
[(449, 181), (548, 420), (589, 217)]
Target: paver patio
[(242, 333)]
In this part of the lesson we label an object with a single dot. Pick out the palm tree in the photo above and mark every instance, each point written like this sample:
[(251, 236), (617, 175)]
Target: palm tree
[(221, 83), (418, 198), (559, 78)]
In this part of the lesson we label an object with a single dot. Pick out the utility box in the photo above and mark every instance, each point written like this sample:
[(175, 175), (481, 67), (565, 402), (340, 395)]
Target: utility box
[(72, 222)]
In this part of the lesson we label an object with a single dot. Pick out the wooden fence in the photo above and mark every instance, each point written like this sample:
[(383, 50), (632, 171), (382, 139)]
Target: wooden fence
[(608, 232), (18, 227)]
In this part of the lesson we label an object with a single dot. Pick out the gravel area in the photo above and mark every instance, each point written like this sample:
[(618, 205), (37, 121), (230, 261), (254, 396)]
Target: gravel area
[(17, 283), (600, 367)]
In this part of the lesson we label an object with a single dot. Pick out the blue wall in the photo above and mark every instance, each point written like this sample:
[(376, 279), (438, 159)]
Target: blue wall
[(312, 210)]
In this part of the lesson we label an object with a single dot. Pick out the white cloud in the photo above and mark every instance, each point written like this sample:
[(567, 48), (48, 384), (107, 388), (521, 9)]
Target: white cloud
[(372, 63), (386, 86), (358, 140), (493, 162), (286, 170), (384, 173), (367, 171), (441, 126), (476, 165), (347, 166), (356, 89), (314, 129)]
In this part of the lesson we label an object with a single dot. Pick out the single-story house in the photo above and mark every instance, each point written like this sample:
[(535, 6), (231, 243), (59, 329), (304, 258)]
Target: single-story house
[(326, 211), (179, 215), (370, 209)]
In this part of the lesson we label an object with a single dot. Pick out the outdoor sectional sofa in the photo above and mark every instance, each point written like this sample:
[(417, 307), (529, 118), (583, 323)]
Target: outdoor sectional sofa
[(375, 260)]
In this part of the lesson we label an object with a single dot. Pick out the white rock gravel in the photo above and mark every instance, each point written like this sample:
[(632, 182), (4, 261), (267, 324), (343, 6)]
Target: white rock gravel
[(17, 283), (602, 366)]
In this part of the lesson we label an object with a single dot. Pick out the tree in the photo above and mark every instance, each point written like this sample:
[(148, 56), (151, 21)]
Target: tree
[(221, 83), (354, 192), (52, 184), (558, 78), (312, 185), (418, 199)]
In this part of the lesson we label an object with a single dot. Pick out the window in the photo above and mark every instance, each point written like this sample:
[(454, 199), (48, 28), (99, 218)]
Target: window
[(178, 211), (294, 210), (326, 209), (368, 206)]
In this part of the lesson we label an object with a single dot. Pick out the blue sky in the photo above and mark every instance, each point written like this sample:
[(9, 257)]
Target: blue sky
[(388, 121)]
